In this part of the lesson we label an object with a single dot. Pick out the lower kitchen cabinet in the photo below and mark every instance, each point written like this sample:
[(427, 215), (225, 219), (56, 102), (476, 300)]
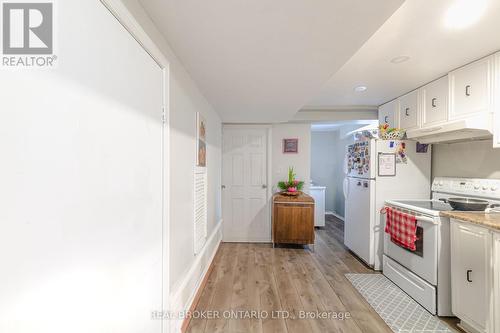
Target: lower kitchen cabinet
[(472, 272), (496, 281), (470, 267)]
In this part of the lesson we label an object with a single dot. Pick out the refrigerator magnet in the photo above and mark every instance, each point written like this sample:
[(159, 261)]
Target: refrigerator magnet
[(386, 165)]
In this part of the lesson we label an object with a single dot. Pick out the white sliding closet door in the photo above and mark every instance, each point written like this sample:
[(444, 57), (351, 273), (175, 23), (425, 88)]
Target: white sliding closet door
[(81, 183)]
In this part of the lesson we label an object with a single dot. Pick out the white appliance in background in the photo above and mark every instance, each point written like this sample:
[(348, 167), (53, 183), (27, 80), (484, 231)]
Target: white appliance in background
[(318, 193), (365, 191), (425, 273)]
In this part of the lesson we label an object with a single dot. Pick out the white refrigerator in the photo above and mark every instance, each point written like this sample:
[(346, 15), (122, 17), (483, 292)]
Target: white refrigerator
[(379, 170)]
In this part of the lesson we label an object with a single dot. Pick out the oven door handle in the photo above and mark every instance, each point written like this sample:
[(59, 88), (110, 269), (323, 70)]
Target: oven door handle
[(425, 219)]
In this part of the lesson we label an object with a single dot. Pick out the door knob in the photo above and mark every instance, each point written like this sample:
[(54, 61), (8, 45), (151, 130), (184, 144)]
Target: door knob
[(223, 187), (264, 186)]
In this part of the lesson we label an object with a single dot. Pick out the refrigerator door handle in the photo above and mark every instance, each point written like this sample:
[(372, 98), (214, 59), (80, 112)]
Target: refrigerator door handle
[(346, 187)]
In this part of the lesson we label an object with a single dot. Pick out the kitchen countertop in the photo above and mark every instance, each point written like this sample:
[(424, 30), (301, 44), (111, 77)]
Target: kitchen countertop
[(489, 220)]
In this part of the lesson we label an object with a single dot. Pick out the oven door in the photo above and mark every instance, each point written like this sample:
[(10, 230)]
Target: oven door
[(423, 261)]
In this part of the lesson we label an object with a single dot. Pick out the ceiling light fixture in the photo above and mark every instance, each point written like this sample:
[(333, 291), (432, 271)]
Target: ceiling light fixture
[(360, 88), (464, 13), (400, 59)]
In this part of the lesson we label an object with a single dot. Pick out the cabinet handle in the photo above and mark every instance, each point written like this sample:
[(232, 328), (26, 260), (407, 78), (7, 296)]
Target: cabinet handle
[(407, 110), (468, 275), (386, 119), (433, 103), (467, 90)]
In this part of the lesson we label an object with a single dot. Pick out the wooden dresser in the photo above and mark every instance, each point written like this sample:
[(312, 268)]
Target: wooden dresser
[(293, 219)]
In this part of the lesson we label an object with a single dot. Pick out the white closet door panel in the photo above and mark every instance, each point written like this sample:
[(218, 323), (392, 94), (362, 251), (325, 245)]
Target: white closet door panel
[(245, 206)]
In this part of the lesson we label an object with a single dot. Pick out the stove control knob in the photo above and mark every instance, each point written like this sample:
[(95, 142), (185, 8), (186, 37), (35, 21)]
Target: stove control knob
[(441, 183), (494, 188), (477, 187), (485, 187)]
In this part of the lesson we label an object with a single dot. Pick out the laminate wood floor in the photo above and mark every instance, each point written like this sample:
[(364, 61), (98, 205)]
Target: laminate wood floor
[(258, 278)]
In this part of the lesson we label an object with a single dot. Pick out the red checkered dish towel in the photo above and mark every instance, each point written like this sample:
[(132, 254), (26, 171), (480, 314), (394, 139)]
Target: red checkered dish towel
[(402, 228)]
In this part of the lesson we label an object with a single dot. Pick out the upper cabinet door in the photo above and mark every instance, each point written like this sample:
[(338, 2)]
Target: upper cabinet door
[(470, 89), (435, 102), (496, 107), (388, 114), (408, 110)]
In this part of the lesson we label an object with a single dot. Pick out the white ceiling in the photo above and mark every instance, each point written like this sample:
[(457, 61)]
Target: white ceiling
[(262, 60), (419, 30)]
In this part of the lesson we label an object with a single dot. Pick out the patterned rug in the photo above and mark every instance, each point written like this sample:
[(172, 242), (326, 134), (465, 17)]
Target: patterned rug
[(400, 312)]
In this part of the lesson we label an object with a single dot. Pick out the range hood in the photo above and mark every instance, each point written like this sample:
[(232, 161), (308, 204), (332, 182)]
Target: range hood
[(472, 128)]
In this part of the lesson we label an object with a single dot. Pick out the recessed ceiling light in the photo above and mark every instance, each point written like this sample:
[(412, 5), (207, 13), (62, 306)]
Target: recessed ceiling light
[(360, 88), (400, 59), (464, 13)]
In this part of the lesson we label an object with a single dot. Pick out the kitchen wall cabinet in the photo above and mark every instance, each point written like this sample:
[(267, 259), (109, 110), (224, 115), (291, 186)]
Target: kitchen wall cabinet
[(389, 114), (471, 89), (434, 102), (408, 110), (496, 99), (460, 106)]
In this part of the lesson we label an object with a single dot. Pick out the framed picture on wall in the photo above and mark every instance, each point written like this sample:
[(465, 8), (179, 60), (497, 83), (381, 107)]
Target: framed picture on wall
[(201, 141), (290, 146)]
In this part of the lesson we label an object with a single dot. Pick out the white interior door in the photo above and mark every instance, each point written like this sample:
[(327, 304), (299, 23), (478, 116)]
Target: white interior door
[(81, 183), (244, 178)]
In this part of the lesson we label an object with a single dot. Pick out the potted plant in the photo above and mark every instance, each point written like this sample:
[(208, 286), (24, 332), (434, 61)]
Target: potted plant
[(292, 186)]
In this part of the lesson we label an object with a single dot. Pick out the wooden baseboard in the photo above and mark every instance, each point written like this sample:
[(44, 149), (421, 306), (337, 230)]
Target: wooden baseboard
[(196, 299)]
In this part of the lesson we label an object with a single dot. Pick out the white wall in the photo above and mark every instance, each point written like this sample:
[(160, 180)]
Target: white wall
[(340, 144), (323, 160), (301, 162), (186, 269), (327, 164), (466, 159), (81, 183)]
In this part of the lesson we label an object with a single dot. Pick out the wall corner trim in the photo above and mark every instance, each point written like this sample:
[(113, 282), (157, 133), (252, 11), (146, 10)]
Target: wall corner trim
[(186, 294)]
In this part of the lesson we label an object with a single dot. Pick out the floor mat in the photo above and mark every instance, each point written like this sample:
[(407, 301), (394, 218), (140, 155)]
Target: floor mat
[(400, 312)]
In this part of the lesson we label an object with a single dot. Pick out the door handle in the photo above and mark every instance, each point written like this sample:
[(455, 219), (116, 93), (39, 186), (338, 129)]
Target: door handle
[(346, 188), (467, 90), (468, 275), (433, 103)]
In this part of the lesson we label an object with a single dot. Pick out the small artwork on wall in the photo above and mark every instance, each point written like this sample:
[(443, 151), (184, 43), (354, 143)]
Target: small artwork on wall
[(201, 141), (290, 146)]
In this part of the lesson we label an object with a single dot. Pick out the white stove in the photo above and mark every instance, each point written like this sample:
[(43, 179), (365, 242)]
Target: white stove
[(424, 274)]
